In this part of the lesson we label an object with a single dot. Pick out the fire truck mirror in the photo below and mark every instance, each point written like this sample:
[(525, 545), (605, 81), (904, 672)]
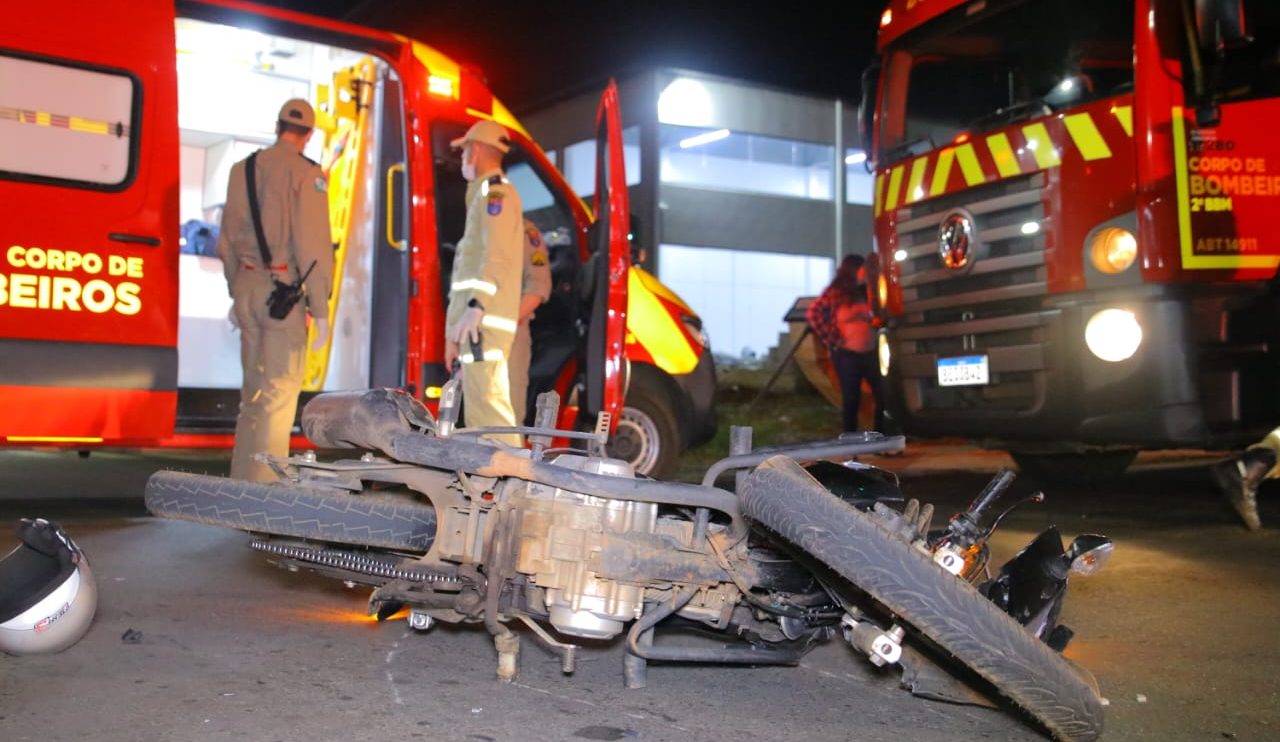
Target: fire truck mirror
[(866, 110)]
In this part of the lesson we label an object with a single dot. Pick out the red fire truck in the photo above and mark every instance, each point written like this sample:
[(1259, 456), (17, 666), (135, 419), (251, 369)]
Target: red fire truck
[(113, 326), (1073, 205)]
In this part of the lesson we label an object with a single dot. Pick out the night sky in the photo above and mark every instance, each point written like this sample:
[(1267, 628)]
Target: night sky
[(534, 52)]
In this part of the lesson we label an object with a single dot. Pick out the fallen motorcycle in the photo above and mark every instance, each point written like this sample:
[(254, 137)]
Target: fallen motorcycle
[(572, 544)]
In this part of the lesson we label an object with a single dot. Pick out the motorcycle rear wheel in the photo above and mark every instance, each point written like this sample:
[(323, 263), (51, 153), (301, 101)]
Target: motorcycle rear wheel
[(948, 611), (385, 520)]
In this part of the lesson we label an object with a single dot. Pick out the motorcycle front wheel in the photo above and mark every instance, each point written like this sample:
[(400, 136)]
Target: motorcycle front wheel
[(948, 611)]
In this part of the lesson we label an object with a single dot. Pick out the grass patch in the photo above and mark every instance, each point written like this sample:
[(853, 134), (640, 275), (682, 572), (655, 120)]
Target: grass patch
[(790, 412)]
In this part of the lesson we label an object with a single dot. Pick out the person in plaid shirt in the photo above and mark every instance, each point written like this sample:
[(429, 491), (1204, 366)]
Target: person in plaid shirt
[(841, 318)]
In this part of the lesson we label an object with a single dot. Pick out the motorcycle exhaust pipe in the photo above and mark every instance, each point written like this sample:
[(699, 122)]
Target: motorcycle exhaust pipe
[(366, 419)]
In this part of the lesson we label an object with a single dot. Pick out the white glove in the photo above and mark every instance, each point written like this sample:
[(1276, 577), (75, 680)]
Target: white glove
[(322, 334), (467, 329), (232, 318)]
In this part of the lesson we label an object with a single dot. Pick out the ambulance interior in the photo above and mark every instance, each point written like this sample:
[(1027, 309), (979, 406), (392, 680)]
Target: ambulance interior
[(231, 83)]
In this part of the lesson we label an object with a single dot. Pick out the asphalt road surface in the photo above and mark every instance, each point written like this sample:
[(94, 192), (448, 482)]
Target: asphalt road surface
[(1179, 628)]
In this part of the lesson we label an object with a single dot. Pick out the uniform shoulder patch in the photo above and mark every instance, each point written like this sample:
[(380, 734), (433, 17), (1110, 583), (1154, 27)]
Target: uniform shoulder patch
[(532, 234), (322, 185), (494, 190)]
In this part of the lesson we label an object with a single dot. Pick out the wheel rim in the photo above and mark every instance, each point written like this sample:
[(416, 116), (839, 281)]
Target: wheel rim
[(636, 440)]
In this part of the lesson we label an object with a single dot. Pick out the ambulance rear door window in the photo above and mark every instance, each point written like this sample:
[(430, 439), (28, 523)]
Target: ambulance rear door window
[(66, 123)]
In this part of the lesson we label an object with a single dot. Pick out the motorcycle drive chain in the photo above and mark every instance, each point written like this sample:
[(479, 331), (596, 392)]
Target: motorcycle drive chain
[(351, 562)]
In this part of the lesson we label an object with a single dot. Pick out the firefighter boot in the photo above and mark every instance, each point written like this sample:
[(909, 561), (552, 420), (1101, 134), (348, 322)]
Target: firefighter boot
[(1239, 480)]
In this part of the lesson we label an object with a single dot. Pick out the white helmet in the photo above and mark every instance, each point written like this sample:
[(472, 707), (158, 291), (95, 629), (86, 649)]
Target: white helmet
[(47, 592)]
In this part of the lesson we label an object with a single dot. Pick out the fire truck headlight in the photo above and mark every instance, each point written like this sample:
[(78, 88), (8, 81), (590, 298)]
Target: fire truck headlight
[(1113, 334), (882, 291), (1113, 250), (694, 325), (882, 348)]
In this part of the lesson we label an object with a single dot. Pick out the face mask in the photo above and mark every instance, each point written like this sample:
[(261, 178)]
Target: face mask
[(468, 165)]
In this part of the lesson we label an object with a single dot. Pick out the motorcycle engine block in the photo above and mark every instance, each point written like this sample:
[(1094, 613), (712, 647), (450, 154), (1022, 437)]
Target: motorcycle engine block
[(562, 533)]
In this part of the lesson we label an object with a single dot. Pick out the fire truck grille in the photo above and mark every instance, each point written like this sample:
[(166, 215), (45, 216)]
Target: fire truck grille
[(991, 306), (1006, 260)]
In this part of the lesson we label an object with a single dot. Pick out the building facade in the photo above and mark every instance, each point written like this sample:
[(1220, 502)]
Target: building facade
[(743, 197)]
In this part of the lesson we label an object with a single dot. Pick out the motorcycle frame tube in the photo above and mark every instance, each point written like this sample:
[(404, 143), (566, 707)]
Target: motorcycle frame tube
[(487, 460), (644, 649), (813, 452)]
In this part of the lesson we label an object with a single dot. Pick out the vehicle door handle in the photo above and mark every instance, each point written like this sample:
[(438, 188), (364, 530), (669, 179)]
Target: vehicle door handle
[(134, 239), (391, 207)]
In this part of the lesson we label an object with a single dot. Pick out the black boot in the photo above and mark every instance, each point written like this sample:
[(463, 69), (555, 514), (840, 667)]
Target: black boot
[(1239, 480)]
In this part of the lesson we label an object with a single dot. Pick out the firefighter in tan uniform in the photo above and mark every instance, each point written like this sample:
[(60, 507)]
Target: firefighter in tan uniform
[(535, 289), (484, 291), (294, 212)]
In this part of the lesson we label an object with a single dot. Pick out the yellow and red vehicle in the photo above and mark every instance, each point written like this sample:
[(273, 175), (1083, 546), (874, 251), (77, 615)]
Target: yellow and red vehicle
[(118, 122), (1074, 211)]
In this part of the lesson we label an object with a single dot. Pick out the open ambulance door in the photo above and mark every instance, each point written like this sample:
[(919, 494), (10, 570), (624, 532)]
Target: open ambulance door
[(607, 268), (88, 217)]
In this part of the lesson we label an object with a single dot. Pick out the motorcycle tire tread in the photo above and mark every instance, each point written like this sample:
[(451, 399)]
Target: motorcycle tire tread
[(385, 520), (950, 612)]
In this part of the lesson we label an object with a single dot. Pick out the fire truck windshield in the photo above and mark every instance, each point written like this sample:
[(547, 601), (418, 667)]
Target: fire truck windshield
[(969, 72)]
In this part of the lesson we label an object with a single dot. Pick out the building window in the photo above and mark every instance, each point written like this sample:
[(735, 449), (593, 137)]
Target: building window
[(580, 162), (751, 163), (67, 123), (858, 183), (741, 296)]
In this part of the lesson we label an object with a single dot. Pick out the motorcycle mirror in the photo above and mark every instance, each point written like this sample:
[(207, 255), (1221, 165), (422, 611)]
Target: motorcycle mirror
[(1088, 553)]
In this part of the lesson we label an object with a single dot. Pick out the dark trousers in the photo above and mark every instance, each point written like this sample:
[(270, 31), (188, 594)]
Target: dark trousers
[(852, 368)]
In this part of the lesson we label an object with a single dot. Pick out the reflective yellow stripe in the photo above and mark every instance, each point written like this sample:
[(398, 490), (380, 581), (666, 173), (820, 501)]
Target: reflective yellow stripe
[(73, 123), (915, 191), (895, 183), (968, 158), (498, 323), (475, 284), (51, 439), (1086, 137), (489, 355), (1041, 145), (1124, 114), (651, 325), (942, 172), (659, 289), (1002, 153), (879, 202)]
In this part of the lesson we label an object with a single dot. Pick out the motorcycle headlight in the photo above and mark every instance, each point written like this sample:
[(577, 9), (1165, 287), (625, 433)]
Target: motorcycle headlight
[(1112, 250), (886, 357), (1113, 334), (1088, 553)]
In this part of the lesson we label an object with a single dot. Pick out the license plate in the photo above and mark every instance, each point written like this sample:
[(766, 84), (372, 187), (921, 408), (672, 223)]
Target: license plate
[(963, 371)]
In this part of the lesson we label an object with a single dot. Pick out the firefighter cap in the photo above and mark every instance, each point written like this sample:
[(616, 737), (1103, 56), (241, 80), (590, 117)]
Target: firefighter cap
[(298, 112), (486, 132)]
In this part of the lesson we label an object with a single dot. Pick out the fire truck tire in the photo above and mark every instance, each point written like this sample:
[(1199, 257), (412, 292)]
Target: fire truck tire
[(383, 519), (950, 613), (648, 436), (1094, 467)]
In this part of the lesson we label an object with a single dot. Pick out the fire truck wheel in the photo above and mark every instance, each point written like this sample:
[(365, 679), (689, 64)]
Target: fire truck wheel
[(648, 436), (1093, 467)]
